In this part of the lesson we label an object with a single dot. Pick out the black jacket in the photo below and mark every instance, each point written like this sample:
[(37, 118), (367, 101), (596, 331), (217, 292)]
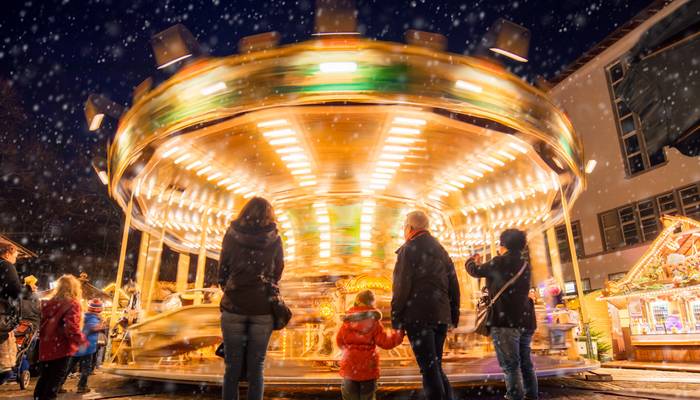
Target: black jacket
[(248, 257), (31, 306), (514, 309), (425, 284)]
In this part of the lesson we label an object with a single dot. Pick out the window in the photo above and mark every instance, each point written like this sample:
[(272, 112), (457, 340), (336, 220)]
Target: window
[(570, 286), (639, 222), (616, 276), (637, 158), (563, 241), (695, 308), (660, 311), (690, 200)]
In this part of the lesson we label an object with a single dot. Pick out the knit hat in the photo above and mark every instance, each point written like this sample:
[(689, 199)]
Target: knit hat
[(95, 306), (30, 280), (364, 298)]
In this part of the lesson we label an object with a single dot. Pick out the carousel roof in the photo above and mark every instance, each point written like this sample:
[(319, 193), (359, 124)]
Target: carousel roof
[(344, 131), (670, 265)]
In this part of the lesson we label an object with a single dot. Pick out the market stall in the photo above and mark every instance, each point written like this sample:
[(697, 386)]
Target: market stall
[(656, 306)]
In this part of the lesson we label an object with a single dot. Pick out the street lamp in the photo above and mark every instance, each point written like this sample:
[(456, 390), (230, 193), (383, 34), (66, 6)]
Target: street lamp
[(174, 44), (96, 107), (508, 39)]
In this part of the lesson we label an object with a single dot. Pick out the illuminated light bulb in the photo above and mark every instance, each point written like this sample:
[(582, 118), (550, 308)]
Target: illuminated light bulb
[(496, 161), (400, 130), (214, 176), (240, 190), (435, 197), (300, 171), (409, 121), (518, 147), (288, 150), (233, 185), (211, 89), (325, 236), (396, 149), (485, 167), (337, 67), (368, 210), (279, 133), (365, 243), (449, 187), (324, 245), (283, 141), (391, 156), (224, 181), (460, 84), (385, 170), (381, 176), (324, 228), (366, 253), (441, 192), (465, 179), (380, 181), (193, 165), (400, 140), (366, 219), (272, 123), (590, 166), (324, 253), (506, 154), (171, 151), (389, 163), (457, 184), (204, 170), (307, 183), (248, 195), (294, 157), (300, 164), (365, 236), (377, 186), (287, 225), (475, 173)]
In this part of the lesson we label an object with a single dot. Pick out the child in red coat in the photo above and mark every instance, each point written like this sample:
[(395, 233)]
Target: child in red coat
[(358, 338)]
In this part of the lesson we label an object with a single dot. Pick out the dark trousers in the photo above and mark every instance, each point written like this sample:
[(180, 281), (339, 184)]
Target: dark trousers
[(50, 379), (86, 364), (245, 343), (358, 390), (427, 341)]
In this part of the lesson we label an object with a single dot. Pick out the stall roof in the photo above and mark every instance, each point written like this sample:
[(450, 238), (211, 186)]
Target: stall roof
[(671, 263), (23, 251)]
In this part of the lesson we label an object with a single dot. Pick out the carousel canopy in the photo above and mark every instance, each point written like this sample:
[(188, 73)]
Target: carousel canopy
[(344, 135)]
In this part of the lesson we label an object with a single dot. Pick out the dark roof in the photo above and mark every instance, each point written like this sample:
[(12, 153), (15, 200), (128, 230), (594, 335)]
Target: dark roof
[(611, 39)]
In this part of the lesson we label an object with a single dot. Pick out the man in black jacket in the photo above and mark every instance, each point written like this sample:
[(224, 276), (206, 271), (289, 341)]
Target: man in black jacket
[(425, 301), (9, 301), (511, 320)]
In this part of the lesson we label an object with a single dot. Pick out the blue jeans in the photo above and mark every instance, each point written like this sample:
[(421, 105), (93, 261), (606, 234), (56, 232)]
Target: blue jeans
[(245, 341), (427, 342), (513, 352)]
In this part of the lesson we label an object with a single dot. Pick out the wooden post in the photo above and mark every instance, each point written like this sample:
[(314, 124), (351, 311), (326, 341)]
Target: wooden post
[(183, 270), (201, 258), (142, 260), (154, 268), (120, 271), (577, 273)]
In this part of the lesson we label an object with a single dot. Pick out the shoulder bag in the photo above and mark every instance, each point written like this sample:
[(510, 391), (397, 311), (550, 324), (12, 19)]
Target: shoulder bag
[(281, 314), (483, 308)]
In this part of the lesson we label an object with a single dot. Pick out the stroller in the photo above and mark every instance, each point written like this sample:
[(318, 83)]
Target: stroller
[(26, 339)]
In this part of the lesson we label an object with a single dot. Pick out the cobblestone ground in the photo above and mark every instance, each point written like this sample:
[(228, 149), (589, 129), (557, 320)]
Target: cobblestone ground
[(626, 384)]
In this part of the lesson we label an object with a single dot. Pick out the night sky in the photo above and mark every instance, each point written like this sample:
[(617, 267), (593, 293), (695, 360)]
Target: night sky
[(54, 53)]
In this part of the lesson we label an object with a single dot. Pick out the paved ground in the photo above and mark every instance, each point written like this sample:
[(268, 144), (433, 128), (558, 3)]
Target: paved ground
[(626, 384)]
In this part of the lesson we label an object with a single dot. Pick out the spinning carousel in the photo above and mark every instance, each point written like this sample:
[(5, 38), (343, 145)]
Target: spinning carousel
[(344, 136)]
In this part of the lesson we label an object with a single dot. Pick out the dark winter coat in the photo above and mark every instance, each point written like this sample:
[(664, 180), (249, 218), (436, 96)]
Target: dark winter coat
[(10, 289), (425, 287), (59, 335), (248, 257), (31, 307), (514, 309), (358, 337)]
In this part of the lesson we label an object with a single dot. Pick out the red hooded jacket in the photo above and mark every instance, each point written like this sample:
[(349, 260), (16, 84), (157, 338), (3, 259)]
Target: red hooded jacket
[(359, 337), (60, 334)]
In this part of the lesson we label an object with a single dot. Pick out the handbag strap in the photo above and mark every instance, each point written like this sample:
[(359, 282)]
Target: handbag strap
[(508, 284)]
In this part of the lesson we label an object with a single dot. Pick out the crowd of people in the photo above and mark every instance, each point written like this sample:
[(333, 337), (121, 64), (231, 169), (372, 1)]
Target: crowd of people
[(424, 307), (67, 336)]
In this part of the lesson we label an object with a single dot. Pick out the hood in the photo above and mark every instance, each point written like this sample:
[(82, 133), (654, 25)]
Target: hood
[(362, 319), (255, 237)]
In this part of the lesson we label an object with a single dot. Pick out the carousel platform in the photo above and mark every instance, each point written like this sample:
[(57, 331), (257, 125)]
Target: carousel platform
[(463, 373)]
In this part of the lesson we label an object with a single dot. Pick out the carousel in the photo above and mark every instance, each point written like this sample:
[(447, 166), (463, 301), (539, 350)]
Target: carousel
[(344, 135), (655, 308)]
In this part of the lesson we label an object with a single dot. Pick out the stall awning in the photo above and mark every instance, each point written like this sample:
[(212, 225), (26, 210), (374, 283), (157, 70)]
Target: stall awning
[(23, 251)]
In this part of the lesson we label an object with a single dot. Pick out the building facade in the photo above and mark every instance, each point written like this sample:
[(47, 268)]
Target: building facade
[(618, 215)]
